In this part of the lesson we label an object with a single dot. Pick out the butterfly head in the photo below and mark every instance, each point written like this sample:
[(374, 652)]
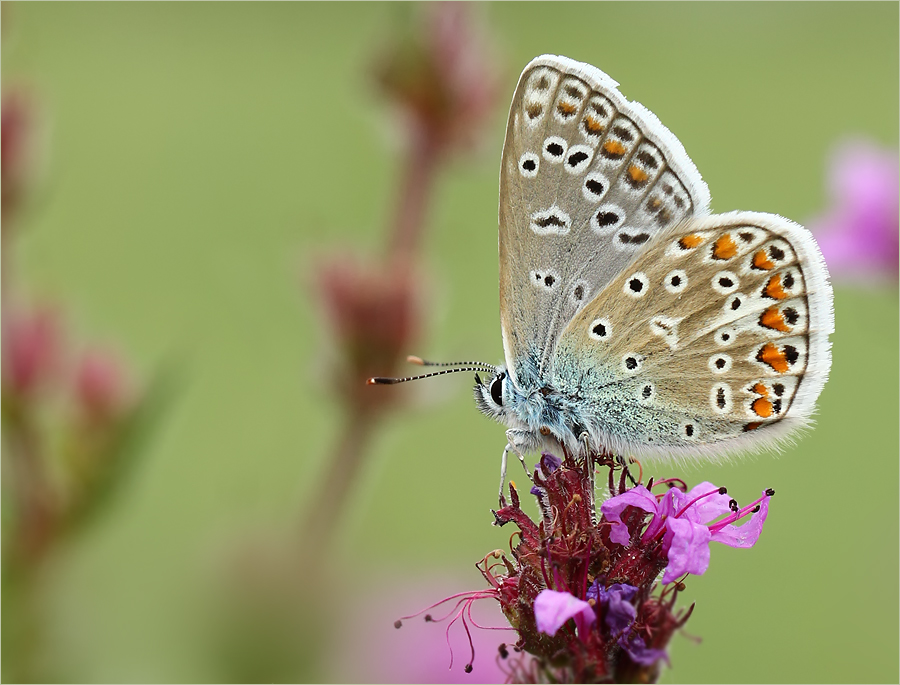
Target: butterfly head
[(495, 394), (537, 417)]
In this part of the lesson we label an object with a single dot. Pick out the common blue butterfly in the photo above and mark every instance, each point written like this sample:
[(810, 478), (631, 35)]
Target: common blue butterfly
[(633, 320)]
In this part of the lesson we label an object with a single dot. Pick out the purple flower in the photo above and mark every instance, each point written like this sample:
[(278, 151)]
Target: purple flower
[(612, 509), (686, 522), (859, 232), (552, 609), (604, 575), (619, 614), (547, 465), (639, 652), (618, 611)]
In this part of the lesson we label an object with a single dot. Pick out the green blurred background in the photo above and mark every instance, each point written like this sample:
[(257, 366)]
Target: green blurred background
[(202, 155)]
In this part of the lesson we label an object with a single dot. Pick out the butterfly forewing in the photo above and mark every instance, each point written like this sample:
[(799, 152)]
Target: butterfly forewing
[(717, 330), (587, 180)]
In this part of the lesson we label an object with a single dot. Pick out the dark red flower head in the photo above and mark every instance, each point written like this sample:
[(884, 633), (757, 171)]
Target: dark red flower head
[(373, 310), (586, 595), (442, 76)]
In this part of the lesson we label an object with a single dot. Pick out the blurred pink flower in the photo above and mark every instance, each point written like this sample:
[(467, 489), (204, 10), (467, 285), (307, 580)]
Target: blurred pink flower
[(373, 310), (15, 148), (420, 651), (101, 387), (442, 76), (859, 232), (32, 349)]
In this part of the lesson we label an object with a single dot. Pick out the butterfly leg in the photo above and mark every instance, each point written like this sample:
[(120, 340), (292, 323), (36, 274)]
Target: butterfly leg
[(520, 442), (506, 451)]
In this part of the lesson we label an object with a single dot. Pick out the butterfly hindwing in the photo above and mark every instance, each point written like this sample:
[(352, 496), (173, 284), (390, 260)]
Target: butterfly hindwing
[(588, 179), (718, 331)]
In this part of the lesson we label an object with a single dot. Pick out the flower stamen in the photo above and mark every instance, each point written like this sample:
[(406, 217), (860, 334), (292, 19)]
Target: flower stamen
[(738, 514), (719, 491)]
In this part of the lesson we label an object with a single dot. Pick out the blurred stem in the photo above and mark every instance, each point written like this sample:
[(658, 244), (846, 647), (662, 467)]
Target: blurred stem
[(361, 417), (343, 469), (415, 192), (30, 537), (22, 627), (6, 260), (34, 501)]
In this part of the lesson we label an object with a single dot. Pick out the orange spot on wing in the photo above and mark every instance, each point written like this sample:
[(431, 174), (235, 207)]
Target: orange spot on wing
[(774, 289), (534, 110), (762, 407), (592, 125), (724, 248), (772, 318), (637, 174), (752, 426), (690, 241), (761, 389), (761, 261), (614, 148), (566, 108), (774, 357)]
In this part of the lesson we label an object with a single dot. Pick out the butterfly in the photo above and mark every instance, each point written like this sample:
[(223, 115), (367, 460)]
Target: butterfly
[(633, 320)]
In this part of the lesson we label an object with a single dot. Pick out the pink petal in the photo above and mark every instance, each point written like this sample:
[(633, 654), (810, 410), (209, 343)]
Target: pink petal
[(688, 548), (32, 348), (708, 508), (552, 609), (101, 384), (612, 509)]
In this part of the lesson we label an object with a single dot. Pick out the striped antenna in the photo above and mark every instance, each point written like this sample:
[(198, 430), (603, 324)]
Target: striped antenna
[(412, 359), (380, 380)]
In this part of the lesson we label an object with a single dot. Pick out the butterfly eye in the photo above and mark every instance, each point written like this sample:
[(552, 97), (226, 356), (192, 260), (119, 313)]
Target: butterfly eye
[(497, 389)]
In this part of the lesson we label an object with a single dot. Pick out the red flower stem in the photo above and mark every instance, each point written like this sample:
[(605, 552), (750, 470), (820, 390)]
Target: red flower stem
[(587, 563), (461, 596), (476, 623), (35, 500), (680, 483), (331, 496), (415, 192), (344, 465)]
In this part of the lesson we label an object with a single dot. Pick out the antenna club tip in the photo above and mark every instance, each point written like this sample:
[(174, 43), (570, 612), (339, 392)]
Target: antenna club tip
[(413, 359), (380, 380)]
